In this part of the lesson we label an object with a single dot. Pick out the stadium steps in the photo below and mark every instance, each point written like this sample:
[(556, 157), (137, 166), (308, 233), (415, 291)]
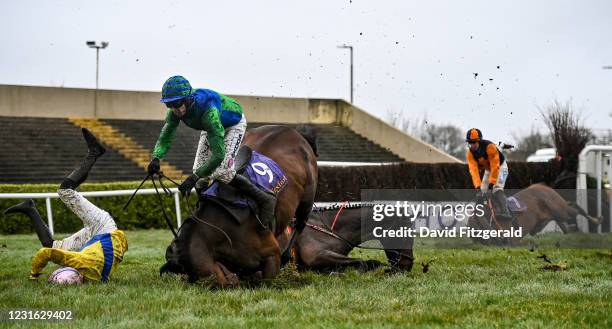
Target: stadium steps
[(339, 143), (45, 150), (334, 143), (125, 145), (145, 133)]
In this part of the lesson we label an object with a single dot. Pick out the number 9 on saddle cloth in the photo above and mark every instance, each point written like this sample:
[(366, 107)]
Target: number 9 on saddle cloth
[(260, 170)]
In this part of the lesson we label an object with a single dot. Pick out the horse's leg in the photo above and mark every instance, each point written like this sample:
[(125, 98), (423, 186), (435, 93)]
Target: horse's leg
[(225, 277), (203, 264), (271, 266), (301, 217), (562, 226), (327, 259)]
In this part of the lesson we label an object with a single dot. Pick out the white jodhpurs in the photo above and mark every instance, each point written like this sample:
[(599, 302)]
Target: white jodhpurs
[(233, 137), (95, 220), (501, 179)]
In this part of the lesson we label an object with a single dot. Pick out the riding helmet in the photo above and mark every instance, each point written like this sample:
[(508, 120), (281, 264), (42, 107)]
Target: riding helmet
[(473, 135), (175, 88)]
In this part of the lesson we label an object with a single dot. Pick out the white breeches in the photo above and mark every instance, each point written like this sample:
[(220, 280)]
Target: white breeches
[(233, 137), (501, 179), (95, 220)]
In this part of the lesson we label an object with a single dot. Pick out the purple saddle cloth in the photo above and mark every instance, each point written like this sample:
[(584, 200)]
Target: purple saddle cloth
[(262, 171), (515, 205)]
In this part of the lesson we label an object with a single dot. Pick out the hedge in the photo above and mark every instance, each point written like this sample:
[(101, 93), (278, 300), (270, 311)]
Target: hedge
[(335, 184), (144, 211), (346, 183)]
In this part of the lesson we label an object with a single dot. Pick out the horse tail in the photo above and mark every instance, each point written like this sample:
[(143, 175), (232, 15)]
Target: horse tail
[(582, 212), (310, 135)]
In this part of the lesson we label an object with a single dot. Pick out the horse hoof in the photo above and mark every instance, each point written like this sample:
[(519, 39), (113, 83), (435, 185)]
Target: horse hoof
[(370, 265), (232, 281), (285, 258)]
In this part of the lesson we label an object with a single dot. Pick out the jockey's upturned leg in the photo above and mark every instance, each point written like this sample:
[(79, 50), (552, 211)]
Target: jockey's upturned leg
[(94, 151), (29, 209), (95, 220), (266, 202)]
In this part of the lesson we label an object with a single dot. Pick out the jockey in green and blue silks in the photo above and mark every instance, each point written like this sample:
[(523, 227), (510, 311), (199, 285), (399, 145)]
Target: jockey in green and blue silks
[(222, 124)]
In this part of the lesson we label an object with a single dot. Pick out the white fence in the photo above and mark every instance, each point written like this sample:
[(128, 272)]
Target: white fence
[(581, 180), (49, 196)]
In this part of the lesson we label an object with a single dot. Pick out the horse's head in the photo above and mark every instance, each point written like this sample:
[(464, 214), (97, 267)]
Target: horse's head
[(400, 259), (172, 264), (174, 252)]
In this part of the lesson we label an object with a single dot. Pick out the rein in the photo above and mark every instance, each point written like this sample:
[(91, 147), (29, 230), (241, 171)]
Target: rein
[(338, 215), (161, 203), (330, 233), (494, 216)]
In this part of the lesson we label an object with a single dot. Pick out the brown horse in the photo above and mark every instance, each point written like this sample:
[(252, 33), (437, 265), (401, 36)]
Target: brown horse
[(214, 243), (541, 205), (331, 234)]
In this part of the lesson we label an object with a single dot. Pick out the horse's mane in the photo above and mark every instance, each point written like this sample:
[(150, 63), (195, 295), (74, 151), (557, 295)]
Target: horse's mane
[(310, 135)]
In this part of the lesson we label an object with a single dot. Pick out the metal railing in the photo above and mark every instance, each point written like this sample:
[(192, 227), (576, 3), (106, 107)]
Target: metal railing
[(52, 195), (581, 181)]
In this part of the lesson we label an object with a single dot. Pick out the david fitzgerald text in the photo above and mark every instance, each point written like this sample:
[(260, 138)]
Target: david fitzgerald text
[(452, 232)]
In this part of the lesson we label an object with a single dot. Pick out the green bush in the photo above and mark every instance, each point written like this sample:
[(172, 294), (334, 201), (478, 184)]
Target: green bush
[(144, 211)]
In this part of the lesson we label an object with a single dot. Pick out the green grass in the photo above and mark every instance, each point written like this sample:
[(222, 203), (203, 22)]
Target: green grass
[(476, 287)]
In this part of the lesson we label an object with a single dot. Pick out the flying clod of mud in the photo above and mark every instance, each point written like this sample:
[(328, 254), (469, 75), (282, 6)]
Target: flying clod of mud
[(551, 266), (426, 266), (544, 258), (560, 266)]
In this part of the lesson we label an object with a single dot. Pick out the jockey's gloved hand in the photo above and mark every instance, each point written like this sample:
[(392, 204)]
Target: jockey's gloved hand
[(153, 167), (34, 276), (479, 193), (188, 184)]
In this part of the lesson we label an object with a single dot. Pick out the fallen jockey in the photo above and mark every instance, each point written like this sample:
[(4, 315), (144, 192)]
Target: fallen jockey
[(94, 251)]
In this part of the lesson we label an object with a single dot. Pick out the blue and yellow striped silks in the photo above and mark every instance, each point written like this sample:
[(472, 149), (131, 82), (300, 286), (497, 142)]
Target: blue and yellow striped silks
[(96, 260)]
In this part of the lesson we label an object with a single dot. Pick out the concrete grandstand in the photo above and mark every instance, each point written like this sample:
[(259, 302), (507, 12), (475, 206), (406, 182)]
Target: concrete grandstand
[(41, 140)]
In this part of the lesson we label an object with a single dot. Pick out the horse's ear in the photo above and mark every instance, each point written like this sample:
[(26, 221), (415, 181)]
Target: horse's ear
[(169, 267), (164, 269)]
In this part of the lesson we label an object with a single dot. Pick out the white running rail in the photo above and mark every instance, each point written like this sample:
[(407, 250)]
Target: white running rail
[(49, 196)]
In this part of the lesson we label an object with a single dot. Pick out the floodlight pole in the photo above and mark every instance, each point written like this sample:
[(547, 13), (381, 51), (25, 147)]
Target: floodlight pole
[(97, 66), (351, 50), (102, 45)]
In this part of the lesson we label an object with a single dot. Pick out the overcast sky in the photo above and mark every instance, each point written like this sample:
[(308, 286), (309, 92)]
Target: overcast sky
[(411, 58)]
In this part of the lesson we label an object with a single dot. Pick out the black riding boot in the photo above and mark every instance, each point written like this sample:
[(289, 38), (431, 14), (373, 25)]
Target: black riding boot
[(266, 202), (29, 209), (94, 151), (499, 197)]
